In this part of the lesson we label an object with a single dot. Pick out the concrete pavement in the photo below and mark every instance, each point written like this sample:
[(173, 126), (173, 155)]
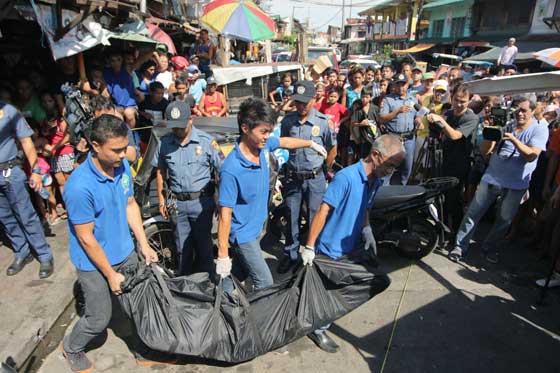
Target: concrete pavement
[(451, 317), (29, 306)]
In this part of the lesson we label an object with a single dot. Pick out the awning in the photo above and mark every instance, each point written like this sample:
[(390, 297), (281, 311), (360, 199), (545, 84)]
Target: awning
[(377, 5), (437, 3), (234, 73), (509, 85), (474, 44), (415, 49), (526, 51), (354, 40)]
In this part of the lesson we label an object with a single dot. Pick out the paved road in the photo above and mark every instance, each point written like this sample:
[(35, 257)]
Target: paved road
[(473, 317)]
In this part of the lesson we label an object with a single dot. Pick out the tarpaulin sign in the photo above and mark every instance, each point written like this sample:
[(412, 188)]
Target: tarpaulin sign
[(77, 40)]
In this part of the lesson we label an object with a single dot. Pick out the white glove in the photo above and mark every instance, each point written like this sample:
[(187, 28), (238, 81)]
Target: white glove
[(223, 266), (307, 254), (369, 239), (319, 149)]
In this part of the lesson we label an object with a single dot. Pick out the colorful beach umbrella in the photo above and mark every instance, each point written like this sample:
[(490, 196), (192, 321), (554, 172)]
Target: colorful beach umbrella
[(240, 19), (551, 56)]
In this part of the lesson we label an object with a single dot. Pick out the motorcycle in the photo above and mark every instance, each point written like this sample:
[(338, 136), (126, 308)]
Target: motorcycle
[(408, 218)]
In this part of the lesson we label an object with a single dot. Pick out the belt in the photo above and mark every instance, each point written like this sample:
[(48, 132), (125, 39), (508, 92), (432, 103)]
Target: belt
[(408, 135), (305, 175), (189, 196), (10, 164)]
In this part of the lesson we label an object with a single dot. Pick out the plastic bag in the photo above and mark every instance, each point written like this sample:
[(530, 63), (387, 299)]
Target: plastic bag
[(190, 315)]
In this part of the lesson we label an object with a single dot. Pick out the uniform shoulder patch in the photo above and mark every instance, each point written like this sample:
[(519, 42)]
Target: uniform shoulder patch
[(217, 148)]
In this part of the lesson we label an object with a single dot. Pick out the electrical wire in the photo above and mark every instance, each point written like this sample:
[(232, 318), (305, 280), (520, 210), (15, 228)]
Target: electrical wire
[(326, 23)]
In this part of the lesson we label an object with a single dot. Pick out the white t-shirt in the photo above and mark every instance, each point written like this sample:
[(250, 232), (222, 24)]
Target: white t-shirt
[(165, 78), (507, 57)]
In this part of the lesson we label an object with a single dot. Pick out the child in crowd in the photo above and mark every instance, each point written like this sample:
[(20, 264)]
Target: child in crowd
[(198, 85), (365, 115), (282, 92), (336, 112), (151, 111), (332, 75), (341, 82), (213, 103), (182, 94), (146, 75), (95, 85), (319, 95), (55, 130), (353, 93)]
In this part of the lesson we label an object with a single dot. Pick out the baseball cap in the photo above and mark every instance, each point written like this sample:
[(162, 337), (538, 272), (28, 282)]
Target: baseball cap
[(193, 69), (441, 87), (177, 115), (211, 80), (304, 91), (193, 57), (180, 62), (550, 108), (429, 75), (401, 78), (417, 68)]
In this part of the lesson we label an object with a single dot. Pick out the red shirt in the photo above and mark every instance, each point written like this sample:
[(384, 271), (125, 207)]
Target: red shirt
[(56, 136), (334, 112), (554, 147)]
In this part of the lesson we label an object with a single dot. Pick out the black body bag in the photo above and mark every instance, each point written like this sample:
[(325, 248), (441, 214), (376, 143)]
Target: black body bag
[(190, 315)]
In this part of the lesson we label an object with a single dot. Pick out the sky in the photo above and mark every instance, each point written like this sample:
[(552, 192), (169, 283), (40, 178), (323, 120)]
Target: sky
[(320, 16)]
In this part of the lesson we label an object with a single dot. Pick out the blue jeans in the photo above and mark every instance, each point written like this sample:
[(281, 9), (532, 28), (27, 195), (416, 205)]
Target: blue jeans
[(486, 194), (249, 261), (22, 225), (194, 235), (405, 168), (297, 190)]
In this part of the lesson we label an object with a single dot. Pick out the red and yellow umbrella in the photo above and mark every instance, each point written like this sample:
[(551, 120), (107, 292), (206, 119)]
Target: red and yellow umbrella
[(240, 19), (551, 56)]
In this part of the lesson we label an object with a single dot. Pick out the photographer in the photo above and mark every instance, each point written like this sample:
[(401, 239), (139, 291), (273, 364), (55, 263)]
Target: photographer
[(507, 176), (456, 127)]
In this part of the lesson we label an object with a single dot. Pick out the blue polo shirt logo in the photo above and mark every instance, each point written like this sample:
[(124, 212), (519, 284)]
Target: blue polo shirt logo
[(125, 181)]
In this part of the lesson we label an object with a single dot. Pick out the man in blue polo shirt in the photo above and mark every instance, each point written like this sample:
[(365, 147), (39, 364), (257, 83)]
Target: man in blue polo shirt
[(244, 189), (101, 210), (343, 214)]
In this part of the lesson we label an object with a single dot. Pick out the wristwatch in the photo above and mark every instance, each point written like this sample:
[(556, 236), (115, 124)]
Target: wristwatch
[(36, 171)]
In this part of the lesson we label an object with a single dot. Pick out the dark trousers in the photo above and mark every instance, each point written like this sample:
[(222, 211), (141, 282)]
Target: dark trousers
[(454, 206), (194, 235), (311, 191), (98, 307), (22, 225)]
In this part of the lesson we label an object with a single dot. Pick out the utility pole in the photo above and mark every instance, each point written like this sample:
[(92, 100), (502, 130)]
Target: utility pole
[(342, 22)]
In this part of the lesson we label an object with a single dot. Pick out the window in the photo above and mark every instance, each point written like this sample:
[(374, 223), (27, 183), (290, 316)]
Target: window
[(437, 29), (457, 27)]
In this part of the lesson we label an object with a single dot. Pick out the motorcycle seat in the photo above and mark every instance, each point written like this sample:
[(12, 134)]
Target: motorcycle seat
[(394, 194)]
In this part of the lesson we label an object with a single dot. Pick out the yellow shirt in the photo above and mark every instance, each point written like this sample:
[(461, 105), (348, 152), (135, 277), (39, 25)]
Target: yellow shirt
[(434, 108)]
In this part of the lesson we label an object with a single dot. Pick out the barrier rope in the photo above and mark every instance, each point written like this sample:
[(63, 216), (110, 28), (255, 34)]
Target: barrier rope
[(395, 320)]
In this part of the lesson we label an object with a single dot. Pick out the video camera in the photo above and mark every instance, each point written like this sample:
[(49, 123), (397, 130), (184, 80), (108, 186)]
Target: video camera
[(78, 116), (502, 120)]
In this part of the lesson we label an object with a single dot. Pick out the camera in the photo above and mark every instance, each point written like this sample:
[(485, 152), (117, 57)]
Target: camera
[(78, 116), (502, 119), (436, 129)]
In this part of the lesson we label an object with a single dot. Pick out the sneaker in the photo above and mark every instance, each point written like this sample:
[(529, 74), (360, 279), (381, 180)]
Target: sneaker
[(78, 361), (492, 257), (554, 281), (54, 221), (455, 255)]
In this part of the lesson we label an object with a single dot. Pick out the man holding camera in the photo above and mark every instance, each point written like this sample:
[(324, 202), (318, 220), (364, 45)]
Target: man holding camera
[(456, 128), (507, 176)]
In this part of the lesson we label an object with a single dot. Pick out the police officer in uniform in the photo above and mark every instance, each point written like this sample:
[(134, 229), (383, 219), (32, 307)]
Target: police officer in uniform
[(187, 159), (305, 177), (399, 117), (21, 223)]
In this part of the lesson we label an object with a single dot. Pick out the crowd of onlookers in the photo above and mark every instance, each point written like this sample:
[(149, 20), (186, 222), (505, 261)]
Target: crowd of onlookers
[(137, 85), (356, 100)]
